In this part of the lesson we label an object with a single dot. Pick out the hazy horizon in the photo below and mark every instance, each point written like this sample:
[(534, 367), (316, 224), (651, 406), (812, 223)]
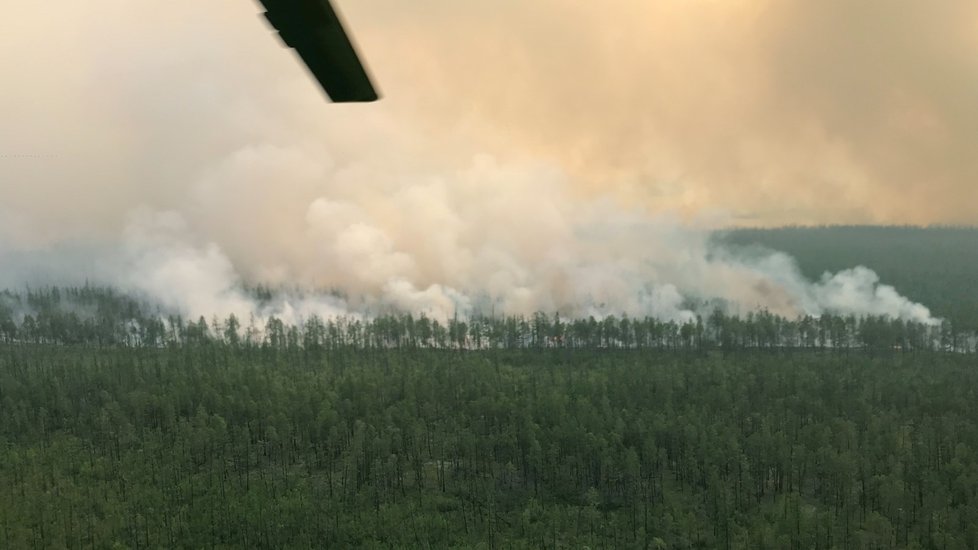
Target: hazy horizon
[(546, 154)]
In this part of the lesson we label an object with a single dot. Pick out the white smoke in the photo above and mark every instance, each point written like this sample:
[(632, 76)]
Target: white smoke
[(200, 159), (857, 292), (477, 242), (774, 282), (162, 263)]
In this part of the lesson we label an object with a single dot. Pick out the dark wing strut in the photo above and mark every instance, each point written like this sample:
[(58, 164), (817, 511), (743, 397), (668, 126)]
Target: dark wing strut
[(315, 31)]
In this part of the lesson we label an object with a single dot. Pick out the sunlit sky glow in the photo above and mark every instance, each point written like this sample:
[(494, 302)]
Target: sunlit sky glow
[(761, 112)]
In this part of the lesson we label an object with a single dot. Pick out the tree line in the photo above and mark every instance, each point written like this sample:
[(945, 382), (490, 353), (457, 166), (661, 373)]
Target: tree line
[(102, 317)]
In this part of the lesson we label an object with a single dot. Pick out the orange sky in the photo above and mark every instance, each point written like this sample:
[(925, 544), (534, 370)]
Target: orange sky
[(745, 112), (545, 154), (774, 111)]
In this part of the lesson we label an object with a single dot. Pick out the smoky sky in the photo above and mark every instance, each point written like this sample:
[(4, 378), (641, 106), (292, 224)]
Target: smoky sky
[(770, 112), (512, 138)]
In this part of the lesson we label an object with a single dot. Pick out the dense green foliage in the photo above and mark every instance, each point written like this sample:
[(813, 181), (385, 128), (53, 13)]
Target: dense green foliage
[(124, 426), (936, 266), (210, 445)]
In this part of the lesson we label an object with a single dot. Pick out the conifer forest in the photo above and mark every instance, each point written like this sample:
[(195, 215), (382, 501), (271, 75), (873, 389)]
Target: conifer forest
[(124, 426)]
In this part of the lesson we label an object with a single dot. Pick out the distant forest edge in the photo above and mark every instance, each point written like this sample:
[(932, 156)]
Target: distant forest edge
[(102, 317), (935, 266), (124, 426)]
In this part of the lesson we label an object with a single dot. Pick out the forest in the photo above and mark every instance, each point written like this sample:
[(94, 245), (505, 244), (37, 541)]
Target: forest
[(212, 445), (98, 316), (123, 425)]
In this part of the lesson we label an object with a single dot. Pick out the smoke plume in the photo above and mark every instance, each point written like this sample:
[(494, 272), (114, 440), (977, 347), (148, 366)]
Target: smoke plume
[(559, 156)]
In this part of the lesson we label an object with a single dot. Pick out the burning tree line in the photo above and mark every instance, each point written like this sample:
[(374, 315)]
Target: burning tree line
[(103, 317), (381, 433)]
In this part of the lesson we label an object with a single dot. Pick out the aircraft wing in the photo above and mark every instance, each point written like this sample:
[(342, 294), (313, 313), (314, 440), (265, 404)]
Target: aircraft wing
[(315, 31)]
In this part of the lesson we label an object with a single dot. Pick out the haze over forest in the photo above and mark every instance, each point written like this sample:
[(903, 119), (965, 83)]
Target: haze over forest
[(558, 156), (666, 274)]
